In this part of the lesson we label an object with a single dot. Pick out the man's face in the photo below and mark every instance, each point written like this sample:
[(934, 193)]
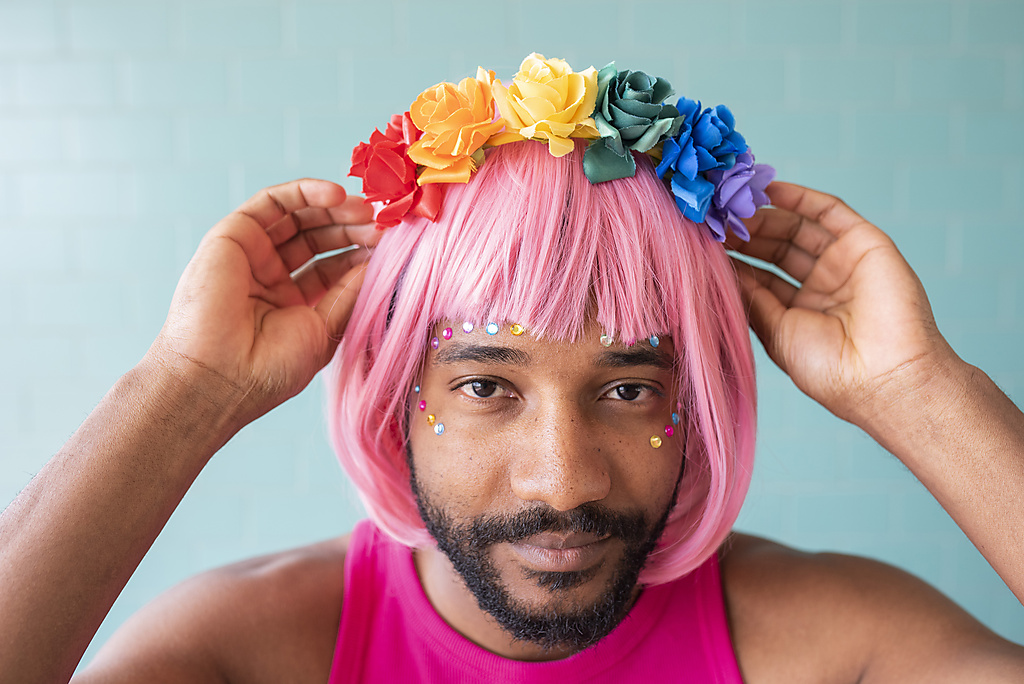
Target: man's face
[(544, 489)]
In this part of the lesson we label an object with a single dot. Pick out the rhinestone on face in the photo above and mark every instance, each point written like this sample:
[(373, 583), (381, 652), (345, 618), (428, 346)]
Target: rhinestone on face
[(654, 341), (517, 329), (430, 419), (656, 442), (447, 334), (675, 419), (416, 389), (435, 343), (439, 429), (669, 431), (467, 327), (492, 328), (423, 406), (606, 340)]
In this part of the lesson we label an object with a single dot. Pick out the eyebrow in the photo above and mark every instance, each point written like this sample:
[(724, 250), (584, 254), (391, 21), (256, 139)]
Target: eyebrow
[(638, 356), (481, 353)]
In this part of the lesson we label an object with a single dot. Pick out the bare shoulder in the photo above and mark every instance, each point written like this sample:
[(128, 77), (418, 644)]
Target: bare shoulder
[(269, 619), (827, 617)]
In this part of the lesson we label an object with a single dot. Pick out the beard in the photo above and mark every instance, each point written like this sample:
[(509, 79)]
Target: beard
[(563, 624)]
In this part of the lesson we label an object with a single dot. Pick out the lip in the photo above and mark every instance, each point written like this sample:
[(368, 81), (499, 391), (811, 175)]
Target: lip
[(550, 552)]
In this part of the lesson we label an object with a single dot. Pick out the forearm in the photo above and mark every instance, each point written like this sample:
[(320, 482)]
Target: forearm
[(964, 439), (74, 536)]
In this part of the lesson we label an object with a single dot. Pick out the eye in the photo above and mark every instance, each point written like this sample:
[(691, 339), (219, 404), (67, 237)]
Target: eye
[(631, 392), (481, 389)]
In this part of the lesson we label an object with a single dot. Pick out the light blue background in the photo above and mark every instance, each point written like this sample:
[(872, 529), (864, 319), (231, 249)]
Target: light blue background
[(128, 128)]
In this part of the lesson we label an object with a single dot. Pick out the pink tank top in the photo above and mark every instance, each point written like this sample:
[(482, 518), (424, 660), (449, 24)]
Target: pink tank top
[(390, 632)]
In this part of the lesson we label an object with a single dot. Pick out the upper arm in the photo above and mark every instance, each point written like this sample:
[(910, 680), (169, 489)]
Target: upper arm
[(270, 619), (829, 617)]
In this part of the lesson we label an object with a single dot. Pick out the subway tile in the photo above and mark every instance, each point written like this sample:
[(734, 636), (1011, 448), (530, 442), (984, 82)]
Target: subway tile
[(236, 138), (329, 26), (837, 513), (34, 249), (178, 83), (77, 83), (305, 82), (786, 24), (847, 80), (35, 139), (972, 80), (884, 133), (996, 134), (947, 186), (600, 22), (225, 27), (7, 79), (132, 138), (184, 192), (28, 28), (140, 246), (736, 83), (808, 134), (85, 304), (119, 26), (72, 193), (899, 25), (995, 23), (868, 188), (40, 358)]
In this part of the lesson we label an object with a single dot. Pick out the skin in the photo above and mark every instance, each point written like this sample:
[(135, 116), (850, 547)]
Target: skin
[(243, 336), (556, 426)]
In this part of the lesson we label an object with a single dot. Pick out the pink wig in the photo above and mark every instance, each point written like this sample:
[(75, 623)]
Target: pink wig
[(530, 240)]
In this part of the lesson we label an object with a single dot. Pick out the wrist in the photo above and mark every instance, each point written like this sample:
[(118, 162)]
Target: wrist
[(920, 403), (190, 403)]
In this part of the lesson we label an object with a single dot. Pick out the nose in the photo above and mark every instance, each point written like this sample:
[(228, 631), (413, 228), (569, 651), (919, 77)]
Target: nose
[(559, 463)]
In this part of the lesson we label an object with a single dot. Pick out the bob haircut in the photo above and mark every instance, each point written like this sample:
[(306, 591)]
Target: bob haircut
[(530, 240)]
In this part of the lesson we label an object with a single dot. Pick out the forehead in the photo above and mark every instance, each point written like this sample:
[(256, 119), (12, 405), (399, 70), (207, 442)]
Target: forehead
[(453, 343)]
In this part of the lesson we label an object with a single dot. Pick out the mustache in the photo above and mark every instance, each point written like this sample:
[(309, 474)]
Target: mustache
[(590, 518)]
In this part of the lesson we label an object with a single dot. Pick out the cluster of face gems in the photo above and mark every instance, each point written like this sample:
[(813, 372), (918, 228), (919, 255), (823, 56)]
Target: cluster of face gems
[(447, 334)]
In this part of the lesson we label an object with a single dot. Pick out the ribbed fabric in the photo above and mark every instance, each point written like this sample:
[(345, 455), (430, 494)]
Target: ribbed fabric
[(390, 632)]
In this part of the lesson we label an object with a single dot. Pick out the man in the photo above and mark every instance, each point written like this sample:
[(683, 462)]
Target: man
[(243, 336)]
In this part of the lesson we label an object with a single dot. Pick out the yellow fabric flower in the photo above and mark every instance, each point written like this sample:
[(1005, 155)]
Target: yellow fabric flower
[(456, 122), (547, 101)]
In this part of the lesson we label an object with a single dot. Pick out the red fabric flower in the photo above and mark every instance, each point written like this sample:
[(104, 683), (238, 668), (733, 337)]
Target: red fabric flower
[(389, 176)]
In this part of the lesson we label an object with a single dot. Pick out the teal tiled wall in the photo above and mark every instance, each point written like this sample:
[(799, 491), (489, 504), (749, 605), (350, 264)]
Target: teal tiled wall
[(128, 128)]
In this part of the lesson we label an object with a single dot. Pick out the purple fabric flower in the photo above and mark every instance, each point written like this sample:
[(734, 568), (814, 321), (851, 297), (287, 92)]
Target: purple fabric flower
[(739, 191)]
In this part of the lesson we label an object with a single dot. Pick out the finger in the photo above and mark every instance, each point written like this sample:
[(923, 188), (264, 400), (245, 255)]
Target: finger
[(316, 278), (764, 309), (352, 211), (828, 211), (783, 291), (272, 204), (780, 224), (309, 243), (336, 305), (783, 253)]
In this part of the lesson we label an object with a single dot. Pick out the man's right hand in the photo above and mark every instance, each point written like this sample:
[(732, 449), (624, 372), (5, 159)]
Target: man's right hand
[(241, 326)]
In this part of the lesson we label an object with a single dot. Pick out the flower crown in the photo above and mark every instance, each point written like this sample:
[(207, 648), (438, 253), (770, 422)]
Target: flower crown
[(441, 139)]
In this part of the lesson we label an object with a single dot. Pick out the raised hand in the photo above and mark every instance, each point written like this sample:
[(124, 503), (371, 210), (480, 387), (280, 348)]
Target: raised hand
[(859, 332), (241, 319)]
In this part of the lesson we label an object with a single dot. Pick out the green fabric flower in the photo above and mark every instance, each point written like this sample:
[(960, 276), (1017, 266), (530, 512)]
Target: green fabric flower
[(630, 117)]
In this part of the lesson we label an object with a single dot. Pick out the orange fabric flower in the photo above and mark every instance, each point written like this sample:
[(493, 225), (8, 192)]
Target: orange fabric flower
[(548, 101), (456, 122)]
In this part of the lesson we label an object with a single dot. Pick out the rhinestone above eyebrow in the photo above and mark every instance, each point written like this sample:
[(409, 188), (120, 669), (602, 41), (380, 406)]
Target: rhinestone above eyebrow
[(517, 329), (606, 340), (447, 334), (654, 341), (492, 328), (435, 343), (467, 327)]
